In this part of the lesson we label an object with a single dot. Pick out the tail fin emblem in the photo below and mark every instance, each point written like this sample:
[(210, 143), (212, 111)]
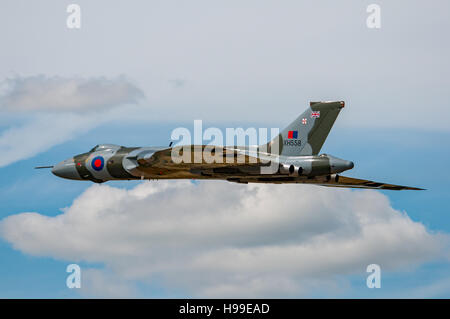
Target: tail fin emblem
[(315, 114), (292, 134)]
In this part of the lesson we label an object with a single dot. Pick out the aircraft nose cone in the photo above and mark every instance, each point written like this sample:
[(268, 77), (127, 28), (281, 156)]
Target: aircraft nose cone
[(66, 169)]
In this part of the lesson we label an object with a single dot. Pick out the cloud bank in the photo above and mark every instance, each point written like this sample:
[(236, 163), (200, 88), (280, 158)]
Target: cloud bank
[(219, 240), (59, 94), (43, 132), (60, 109)]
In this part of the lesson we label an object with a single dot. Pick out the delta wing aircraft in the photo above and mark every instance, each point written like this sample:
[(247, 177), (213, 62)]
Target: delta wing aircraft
[(291, 157)]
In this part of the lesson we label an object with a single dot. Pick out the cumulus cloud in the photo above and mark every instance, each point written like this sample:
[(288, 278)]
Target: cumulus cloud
[(59, 94), (43, 132), (58, 109), (217, 239), (98, 282)]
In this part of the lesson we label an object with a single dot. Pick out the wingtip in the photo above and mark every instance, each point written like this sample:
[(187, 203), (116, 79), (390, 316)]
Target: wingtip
[(403, 188), (413, 188)]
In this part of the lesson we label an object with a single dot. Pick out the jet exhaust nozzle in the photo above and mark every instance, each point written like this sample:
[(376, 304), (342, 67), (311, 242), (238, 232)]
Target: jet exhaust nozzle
[(333, 178), (290, 170)]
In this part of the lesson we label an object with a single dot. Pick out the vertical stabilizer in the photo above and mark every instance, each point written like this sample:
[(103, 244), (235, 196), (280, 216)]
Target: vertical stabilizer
[(306, 135)]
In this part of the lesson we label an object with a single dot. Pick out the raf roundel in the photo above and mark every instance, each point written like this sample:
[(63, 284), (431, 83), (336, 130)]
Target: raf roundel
[(98, 163)]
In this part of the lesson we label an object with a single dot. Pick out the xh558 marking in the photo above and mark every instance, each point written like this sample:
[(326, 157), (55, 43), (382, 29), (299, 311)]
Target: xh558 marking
[(294, 155)]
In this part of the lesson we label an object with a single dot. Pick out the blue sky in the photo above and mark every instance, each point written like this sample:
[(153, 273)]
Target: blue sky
[(135, 71), (377, 156)]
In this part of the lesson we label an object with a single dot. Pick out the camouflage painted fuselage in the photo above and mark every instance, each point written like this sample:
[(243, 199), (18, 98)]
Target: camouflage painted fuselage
[(292, 156), (126, 163)]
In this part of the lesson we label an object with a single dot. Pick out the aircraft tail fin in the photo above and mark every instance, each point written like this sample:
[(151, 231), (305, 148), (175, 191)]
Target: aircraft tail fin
[(306, 135)]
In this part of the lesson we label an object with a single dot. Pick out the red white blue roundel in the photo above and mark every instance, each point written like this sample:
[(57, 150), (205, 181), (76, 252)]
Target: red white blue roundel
[(97, 163)]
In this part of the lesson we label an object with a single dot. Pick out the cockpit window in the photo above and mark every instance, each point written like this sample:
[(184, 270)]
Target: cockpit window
[(103, 147), (94, 148)]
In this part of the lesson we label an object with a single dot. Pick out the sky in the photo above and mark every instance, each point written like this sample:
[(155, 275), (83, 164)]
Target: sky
[(137, 70)]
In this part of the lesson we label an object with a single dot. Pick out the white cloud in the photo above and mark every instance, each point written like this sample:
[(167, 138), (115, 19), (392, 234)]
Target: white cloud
[(217, 239), (58, 109), (40, 134), (59, 94), (97, 282)]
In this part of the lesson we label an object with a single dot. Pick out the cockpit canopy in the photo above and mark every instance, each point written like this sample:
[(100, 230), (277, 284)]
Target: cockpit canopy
[(104, 147)]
